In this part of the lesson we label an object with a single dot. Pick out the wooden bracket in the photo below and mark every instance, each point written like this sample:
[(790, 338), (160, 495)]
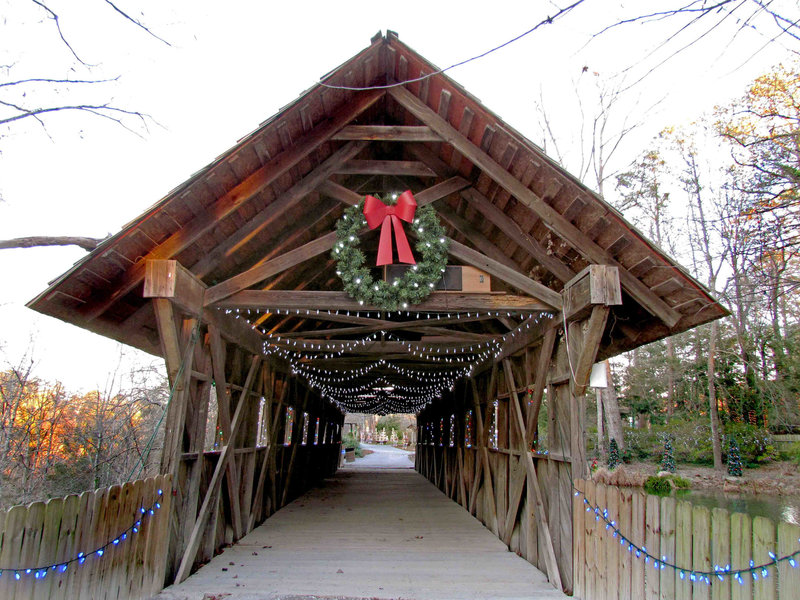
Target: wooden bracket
[(596, 284)]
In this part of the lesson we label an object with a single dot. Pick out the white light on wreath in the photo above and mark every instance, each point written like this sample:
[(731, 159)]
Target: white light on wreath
[(417, 282)]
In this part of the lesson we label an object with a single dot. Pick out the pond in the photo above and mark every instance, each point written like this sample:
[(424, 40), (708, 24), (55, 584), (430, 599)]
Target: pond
[(776, 508)]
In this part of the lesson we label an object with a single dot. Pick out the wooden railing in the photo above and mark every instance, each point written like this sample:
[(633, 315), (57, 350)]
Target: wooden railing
[(693, 538), (101, 544)]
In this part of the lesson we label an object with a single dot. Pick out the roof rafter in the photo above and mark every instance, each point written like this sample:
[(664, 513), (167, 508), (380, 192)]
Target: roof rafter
[(554, 220), (232, 200)]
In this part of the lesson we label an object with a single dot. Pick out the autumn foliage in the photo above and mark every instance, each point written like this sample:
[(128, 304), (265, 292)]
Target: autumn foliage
[(54, 443)]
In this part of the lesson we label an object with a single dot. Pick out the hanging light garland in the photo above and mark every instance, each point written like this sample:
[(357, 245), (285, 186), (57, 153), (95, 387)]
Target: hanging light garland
[(720, 573), (300, 352)]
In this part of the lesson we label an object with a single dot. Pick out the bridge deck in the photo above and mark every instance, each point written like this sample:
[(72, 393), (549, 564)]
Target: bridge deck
[(368, 534)]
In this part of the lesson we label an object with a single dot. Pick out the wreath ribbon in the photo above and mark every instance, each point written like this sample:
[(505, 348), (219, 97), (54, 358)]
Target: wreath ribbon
[(378, 214)]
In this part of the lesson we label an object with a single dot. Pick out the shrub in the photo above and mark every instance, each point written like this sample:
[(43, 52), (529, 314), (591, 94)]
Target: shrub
[(792, 453), (681, 483), (691, 442), (659, 486)]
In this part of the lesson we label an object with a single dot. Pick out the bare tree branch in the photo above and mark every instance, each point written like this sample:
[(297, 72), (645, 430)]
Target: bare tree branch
[(86, 243), (136, 22), (54, 17)]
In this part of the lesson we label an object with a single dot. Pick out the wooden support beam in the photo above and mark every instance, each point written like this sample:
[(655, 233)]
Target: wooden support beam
[(510, 227), (170, 280), (553, 219), (296, 443), (339, 192), (436, 302), (179, 358), (440, 190), (387, 133), (237, 196), (540, 382), (214, 486), (277, 208), (595, 328), (272, 267), (594, 285), (224, 403), (533, 481), (269, 456), (476, 238), (484, 456), (514, 278), (407, 168)]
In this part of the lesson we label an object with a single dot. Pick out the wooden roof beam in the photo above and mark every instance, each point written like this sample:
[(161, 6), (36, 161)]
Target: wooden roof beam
[(279, 206), (272, 267), (387, 133), (410, 168), (509, 227), (437, 302), (514, 278), (552, 219), (237, 196)]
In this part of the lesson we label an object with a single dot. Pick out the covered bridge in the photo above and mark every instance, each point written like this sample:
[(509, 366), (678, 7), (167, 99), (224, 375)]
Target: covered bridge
[(233, 279)]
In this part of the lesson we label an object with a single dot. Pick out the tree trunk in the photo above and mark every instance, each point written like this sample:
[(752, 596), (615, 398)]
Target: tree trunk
[(611, 407), (670, 378), (712, 396), (601, 438)]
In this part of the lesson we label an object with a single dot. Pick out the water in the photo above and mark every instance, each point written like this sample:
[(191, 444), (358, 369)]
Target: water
[(776, 508)]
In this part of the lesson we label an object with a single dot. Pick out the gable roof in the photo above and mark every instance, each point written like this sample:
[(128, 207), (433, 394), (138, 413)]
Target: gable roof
[(285, 185)]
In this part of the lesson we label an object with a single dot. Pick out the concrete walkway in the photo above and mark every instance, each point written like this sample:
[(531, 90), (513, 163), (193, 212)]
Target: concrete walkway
[(383, 457), (368, 534)]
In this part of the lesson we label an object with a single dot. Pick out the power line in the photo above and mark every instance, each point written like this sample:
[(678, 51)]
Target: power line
[(546, 21)]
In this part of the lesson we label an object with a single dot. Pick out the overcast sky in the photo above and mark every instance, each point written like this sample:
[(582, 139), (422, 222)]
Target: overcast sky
[(230, 66)]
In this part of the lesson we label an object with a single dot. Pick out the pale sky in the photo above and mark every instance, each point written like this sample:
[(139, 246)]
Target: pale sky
[(232, 65)]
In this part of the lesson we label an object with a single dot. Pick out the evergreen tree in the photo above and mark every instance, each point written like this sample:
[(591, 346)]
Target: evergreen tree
[(668, 461), (614, 459), (734, 459)]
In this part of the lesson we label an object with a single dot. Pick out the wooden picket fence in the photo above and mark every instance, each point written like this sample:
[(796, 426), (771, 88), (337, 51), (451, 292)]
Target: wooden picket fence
[(691, 537), (54, 533)]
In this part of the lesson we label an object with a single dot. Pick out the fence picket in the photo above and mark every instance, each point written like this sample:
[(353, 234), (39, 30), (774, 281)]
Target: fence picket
[(66, 547), (788, 576), (612, 548), (701, 549), (13, 534), (741, 552), (625, 506), (653, 543), (54, 511), (599, 546), (683, 549), (637, 537), (667, 549), (720, 551), (29, 555), (764, 542)]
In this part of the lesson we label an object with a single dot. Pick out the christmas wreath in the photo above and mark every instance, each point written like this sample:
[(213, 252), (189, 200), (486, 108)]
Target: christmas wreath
[(416, 283)]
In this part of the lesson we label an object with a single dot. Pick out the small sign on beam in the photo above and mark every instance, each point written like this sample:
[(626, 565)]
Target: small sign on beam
[(598, 378)]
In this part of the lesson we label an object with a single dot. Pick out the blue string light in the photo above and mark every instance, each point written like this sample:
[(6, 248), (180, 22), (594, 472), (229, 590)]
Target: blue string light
[(706, 577), (80, 558)]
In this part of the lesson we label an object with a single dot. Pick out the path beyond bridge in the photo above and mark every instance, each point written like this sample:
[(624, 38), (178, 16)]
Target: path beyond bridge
[(368, 533)]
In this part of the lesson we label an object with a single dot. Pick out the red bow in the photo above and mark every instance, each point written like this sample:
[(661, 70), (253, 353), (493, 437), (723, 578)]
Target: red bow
[(377, 213)]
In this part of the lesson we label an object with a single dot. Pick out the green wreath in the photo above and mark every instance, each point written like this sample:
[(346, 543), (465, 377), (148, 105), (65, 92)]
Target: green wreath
[(417, 282)]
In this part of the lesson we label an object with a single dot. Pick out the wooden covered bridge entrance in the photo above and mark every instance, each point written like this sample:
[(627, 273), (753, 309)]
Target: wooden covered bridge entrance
[(233, 279)]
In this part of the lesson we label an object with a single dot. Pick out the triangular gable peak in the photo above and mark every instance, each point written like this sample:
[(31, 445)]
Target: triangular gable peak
[(255, 227)]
